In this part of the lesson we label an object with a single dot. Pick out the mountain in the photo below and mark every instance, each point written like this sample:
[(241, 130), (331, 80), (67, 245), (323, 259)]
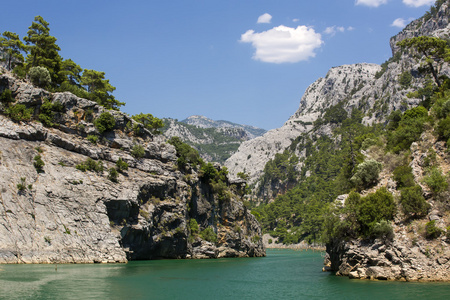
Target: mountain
[(204, 122), (215, 140), (362, 166), (88, 188)]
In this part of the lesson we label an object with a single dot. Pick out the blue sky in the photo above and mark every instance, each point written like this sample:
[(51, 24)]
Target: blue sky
[(245, 61)]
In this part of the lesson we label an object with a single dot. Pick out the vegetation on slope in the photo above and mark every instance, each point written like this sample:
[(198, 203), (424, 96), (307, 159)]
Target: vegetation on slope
[(350, 161)]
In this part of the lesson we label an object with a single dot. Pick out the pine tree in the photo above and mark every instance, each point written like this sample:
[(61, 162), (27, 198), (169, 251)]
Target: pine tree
[(43, 49), (100, 89), (12, 46)]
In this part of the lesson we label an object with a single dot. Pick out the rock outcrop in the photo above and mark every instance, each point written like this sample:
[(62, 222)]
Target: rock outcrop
[(404, 259), (57, 213)]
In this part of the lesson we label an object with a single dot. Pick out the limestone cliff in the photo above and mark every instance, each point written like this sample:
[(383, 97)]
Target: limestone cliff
[(372, 88), (56, 212)]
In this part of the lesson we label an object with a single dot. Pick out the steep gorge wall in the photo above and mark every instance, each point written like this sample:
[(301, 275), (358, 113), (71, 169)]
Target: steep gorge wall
[(64, 215), (368, 87)]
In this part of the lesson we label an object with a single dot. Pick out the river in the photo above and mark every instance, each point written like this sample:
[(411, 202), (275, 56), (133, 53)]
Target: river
[(283, 274)]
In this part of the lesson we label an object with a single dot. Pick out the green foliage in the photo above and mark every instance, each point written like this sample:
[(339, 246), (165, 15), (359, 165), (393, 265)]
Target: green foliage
[(40, 76), (408, 130), (403, 176), (12, 47), (209, 235), (149, 121), (383, 230), (334, 115), (113, 175), (431, 51), (366, 174), (405, 79), (99, 88), (443, 129), (90, 165), (21, 186), (432, 231), (363, 213), (243, 175), (413, 202), (6, 97), (138, 151), (43, 49), (193, 226), (19, 112), (209, 172), (105, 122), (38, 164), (186, 154), (121, 165), (48, 112), (92, 138), (280, 168), (436, 181)]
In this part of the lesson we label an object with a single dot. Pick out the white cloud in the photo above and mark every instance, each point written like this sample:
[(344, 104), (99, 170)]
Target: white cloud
[(295, 20), (417, 3), (372, 3), (283, 44), (401, 23), (265, 18), (350, 28), (332, 30)]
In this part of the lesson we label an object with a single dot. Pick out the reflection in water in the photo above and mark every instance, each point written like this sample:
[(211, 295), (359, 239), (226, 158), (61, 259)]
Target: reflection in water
[(283, 274)]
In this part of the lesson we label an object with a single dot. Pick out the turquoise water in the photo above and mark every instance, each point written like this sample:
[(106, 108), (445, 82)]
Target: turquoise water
[(283, 274)]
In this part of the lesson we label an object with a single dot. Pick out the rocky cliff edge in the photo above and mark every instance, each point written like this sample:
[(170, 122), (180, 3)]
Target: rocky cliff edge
[(57, 213)]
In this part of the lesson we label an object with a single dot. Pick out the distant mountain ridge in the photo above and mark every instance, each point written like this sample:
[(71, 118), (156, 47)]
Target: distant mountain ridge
[(204, 122), (216, 141)]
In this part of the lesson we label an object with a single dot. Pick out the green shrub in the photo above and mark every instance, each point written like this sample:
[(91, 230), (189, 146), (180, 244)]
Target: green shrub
[(403, 176), (413, 202), (121, 165), (92, 138), (138, 151), (38, 163), (19, 112), (209, 172), (431, 230), (149, 122), (366, 174), (208, 235), (90, 165), (47, 112), (436, 181), (363, 213), (186, 154), (113, 174), (383, 230), (105, 122), (443, 129), (40, 76), (21, 186), (405, 79), (193, 226), (6, 97)]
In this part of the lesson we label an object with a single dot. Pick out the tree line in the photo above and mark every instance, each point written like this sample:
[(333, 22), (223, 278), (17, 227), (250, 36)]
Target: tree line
[(45, 67)]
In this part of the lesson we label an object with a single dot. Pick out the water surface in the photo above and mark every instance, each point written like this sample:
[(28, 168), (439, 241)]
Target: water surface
[(283, 274)]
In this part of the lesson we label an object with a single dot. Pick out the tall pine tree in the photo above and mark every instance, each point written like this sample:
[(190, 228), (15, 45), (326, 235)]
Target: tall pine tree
[(12, 47), (43, 48)]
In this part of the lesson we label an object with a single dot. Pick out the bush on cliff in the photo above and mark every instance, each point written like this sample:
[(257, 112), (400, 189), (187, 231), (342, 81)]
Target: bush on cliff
[(105, 122)]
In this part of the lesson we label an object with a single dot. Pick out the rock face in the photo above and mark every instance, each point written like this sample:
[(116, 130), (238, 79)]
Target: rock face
[(61, 214), (405, 260), (373, 89)]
